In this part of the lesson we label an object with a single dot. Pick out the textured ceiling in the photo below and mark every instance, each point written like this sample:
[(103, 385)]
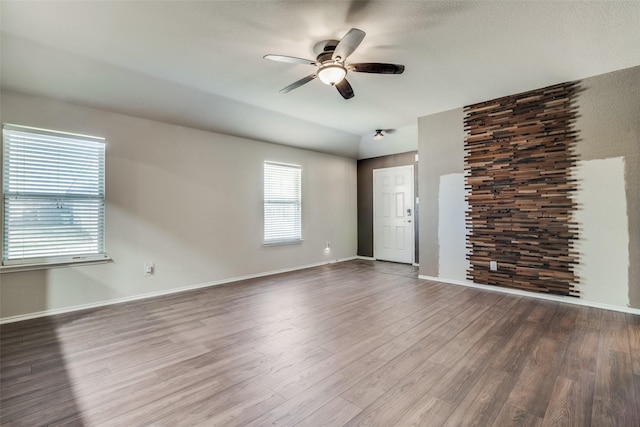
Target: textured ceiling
[(200, 64)]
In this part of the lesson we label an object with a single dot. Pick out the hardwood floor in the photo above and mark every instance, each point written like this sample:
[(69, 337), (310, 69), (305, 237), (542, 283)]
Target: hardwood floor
[(354, 343)]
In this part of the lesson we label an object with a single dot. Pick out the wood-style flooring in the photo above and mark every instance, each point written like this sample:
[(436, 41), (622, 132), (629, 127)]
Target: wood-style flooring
[(353, 343)]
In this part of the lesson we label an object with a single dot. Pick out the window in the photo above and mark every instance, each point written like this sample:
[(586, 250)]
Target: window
[(282, 203), (53, 197)]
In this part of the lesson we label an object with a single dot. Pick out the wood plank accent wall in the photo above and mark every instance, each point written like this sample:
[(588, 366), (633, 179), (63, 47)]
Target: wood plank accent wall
[(519, 152)]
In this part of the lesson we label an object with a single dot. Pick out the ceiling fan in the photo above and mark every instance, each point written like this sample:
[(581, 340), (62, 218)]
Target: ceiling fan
[(331, 66), (380, 133)]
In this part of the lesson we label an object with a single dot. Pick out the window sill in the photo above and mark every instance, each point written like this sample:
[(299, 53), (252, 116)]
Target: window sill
[(46, 266), (283, 242)]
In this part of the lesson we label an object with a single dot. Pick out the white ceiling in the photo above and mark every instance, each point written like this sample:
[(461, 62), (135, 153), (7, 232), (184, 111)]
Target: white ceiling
[(200, 64)]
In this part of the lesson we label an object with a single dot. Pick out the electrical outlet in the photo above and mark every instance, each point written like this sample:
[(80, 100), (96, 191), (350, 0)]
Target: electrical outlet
[(493, 265), (148, 269)]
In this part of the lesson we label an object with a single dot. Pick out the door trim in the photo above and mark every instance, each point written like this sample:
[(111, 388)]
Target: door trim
[(413, 209)]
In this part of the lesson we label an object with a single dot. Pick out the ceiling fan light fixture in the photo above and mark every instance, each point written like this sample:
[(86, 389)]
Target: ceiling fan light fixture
[(330, 65), (332, 74), (379, 135)]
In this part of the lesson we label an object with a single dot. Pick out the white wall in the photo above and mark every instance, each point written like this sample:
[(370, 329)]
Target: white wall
[(190, 201), (452, 236), (608, 198), (603, 222)]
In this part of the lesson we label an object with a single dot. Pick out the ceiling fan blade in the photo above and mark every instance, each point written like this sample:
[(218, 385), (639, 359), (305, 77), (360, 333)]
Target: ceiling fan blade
[(377, 68), (298, 83), (348, 44), (290, 59), (345, 89)]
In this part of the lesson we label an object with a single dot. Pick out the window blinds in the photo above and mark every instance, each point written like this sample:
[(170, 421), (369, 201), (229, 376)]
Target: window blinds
[(53, 193), (282, 203)]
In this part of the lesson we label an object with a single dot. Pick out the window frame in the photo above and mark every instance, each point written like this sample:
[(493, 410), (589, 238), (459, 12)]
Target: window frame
[(59, 260), (297, 238)]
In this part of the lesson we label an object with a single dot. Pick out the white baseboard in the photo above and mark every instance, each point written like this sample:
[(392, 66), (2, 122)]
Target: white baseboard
[(52, 312), (558, 298)]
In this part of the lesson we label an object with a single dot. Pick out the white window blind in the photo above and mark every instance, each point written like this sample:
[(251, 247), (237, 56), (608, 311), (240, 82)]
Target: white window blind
[(53, 197), (282, 203)]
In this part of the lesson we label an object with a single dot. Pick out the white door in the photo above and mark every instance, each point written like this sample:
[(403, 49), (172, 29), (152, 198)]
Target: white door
[(393, 214)]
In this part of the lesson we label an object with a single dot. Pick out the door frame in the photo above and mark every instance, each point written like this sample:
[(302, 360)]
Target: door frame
[(413, 210)]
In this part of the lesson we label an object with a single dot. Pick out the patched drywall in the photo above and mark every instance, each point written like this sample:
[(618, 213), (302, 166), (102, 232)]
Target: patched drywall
[(604, 242), (441, 152), (452, 261), (609, 126)]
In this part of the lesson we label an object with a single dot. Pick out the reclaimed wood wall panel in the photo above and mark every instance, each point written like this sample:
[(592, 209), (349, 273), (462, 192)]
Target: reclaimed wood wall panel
[(519, 152)]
